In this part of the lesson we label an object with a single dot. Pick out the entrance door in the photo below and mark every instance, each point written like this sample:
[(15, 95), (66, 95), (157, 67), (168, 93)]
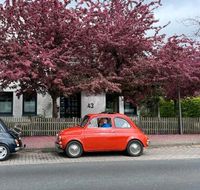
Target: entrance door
[(129, 109), (112, 103)]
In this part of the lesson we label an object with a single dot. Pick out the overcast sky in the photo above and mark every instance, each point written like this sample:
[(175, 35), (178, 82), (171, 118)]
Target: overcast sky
[(176, 11)]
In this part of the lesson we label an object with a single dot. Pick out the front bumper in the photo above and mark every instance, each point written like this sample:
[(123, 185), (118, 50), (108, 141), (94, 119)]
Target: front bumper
[(58, 149), (148, 142)]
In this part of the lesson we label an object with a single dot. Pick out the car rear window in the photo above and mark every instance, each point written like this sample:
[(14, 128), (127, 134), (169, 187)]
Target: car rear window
[(121, 123)]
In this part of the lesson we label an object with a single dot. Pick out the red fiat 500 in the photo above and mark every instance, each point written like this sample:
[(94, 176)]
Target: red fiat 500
[(102, 132)]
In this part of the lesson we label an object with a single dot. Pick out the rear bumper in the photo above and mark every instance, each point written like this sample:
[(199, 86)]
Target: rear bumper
[(14, 148), (17, 149), (58, 149), (20, 146)]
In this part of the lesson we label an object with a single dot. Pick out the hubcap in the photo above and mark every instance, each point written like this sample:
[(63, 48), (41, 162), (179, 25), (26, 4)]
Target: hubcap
[(135, 148), (74, 149), (3, 152)]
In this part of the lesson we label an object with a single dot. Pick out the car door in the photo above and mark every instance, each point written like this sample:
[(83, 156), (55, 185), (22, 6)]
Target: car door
[(123, 131), (97, 138)]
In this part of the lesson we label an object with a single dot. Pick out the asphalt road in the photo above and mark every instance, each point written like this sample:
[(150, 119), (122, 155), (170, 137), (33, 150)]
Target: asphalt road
[(117, 175)]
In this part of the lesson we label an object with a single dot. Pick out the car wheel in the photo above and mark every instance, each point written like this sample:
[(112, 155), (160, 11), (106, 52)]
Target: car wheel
[(4, 152), (74, 149), (134, 148)]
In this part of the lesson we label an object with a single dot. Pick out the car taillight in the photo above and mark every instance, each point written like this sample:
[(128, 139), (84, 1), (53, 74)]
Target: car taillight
[(17, 142)]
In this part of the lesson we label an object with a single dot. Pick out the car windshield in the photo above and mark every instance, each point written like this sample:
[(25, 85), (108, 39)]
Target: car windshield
[(84, 121)]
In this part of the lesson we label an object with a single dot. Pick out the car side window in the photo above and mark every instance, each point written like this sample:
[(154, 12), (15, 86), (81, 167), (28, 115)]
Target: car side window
[(93, 123), (1, 129), (104, 122), (121, 123)]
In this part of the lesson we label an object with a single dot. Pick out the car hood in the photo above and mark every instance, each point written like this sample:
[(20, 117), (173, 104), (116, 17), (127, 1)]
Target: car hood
[(72, 130)]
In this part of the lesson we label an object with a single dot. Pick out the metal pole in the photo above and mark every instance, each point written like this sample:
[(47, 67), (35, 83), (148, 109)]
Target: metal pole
[(180, 119)]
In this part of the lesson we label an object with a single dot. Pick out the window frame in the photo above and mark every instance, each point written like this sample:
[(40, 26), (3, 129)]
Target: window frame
[(70, 106), (11, 112), (29, 113)]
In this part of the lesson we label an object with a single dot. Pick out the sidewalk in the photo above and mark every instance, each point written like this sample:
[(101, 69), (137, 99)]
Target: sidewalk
[(173, 140), (46, 142)]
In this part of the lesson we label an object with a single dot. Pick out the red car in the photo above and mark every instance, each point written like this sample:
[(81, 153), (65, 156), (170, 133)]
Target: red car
[(102, 132)]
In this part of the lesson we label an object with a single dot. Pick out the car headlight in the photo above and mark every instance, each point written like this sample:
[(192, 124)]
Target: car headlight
[(59, 138)]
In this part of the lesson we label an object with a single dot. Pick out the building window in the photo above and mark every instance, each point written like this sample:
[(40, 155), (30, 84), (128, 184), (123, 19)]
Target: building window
[(70, 106), (6, 103), (30, 104), (130, 109), (112, 103)]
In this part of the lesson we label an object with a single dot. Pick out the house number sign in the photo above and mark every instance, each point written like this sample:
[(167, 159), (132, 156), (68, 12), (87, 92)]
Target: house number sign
[(90, 105)]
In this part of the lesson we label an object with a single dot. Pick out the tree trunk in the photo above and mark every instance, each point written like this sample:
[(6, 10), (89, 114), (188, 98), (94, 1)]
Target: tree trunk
[(54, 109), (180, 120), (176, 108), (158, 109)]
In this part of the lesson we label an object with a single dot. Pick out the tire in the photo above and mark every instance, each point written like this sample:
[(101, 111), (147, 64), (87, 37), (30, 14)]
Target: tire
[(74, 149), (134, 148), (4, 152)]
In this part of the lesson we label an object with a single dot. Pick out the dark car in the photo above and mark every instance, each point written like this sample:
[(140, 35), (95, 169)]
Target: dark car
[(10, 141)]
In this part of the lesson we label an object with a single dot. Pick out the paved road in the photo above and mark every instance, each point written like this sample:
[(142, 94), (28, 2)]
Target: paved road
[(161, 153), (126, 175)]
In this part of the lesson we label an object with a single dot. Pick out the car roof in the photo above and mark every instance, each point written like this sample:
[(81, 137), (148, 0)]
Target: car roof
[(107, 115)]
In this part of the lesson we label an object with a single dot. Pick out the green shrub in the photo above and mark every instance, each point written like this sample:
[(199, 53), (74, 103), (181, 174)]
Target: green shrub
[(167, 108), (190, 107)]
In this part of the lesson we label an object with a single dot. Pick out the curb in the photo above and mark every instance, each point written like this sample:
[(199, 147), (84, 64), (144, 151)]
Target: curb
[(173, 145), (49, 149), (52, 149)]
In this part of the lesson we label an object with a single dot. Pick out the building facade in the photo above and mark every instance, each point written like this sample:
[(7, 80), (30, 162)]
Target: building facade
[(68, 107)]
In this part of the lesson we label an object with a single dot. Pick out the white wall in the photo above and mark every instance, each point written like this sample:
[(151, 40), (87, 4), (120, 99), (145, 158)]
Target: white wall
[(92, 103), (121, 104), (44, 105), (89, 104), (17, 105)]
